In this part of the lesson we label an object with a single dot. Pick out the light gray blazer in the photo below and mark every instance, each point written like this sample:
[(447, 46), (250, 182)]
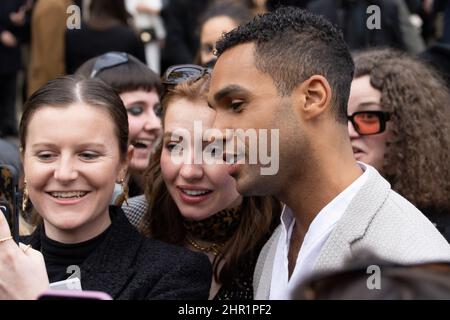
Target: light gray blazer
[(377, 219)]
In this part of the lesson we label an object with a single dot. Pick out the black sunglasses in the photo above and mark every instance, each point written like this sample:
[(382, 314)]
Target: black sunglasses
[(369, 122), (108, 60), (183, 72)]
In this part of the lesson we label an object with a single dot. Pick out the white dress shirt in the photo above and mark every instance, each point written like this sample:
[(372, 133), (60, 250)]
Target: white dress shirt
[(318, 232)]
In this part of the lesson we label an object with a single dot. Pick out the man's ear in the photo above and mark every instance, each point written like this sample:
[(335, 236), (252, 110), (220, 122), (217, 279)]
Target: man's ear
[(312, 97)]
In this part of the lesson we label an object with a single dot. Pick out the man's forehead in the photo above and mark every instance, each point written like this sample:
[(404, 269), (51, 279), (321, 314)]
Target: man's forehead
[(233, 65), (239, 55)]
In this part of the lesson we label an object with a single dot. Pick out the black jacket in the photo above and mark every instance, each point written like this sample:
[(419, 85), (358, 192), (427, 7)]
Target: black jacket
[(181, 19), (351, 17), (127, 265), (10, 58), (87, 43)]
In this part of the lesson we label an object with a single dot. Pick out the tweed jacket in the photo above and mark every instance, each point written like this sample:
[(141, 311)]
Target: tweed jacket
[(135, 208), (378, 220), (127, 265)]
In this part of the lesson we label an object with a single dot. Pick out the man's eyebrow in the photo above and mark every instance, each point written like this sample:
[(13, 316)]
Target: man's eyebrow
[(234, 88)]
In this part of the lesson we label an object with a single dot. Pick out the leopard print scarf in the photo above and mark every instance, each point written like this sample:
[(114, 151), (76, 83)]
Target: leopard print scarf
[(218, 228)]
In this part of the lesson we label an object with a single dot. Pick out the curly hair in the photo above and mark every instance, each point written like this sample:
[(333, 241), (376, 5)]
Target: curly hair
[(163, 220), (291, 45), (416, 162)]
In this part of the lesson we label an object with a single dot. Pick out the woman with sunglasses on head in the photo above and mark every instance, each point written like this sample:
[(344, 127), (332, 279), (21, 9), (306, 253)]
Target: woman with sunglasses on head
[(400, 124), (196, 205), (139, 88), (71, 164)]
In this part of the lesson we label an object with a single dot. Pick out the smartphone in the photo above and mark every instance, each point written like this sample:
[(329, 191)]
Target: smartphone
[(9, 198), (52, 294)]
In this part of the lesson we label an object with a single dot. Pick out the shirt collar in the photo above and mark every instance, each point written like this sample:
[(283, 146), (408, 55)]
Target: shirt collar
[(329, 215)]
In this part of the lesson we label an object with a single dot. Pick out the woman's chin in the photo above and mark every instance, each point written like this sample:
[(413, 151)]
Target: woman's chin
[(138, 166), (195, 215)]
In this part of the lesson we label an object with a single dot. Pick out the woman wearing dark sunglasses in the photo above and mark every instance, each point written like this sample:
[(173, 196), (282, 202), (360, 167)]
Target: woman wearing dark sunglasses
[(399, 122), (197, 205)]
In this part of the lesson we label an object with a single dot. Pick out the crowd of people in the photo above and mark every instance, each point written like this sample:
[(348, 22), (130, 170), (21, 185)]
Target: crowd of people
[(109, 157)]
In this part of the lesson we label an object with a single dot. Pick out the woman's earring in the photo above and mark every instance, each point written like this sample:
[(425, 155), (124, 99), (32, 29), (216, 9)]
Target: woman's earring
[(123, 197), (124, 190), (25, 197)]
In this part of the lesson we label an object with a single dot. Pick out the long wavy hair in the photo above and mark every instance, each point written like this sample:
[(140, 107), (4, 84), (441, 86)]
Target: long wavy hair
[(416, 162), (163, 220)]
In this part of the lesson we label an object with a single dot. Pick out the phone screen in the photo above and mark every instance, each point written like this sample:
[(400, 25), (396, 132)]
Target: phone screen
[(9, 198)]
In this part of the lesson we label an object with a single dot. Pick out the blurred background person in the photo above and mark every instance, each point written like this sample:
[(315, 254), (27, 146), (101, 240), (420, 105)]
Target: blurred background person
[(181, 19), (140, 89), (217, 19), (48, 25), (9, 154), (395, 29), (108, 28), (147, 20), (401, 126), (12, 33)]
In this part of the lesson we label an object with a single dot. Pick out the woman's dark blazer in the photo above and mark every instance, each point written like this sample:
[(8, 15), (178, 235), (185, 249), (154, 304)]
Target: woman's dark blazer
[(127, 265)]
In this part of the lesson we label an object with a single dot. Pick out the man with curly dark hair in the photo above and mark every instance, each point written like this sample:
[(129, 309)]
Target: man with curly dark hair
[(291, 71), (413, 152)]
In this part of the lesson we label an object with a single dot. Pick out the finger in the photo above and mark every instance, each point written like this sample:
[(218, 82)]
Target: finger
[(30, 252), (26, 248), (4, 228)]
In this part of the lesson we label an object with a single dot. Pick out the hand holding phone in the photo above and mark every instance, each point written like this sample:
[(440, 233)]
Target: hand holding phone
[(22, 270)]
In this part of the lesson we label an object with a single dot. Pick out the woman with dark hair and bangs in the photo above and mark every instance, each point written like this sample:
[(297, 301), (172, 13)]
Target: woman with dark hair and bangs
[(139, 88), (400, 124), (197, 206)]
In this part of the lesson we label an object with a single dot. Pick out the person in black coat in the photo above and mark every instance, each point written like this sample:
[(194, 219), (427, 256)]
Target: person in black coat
[(71, 165), (107, 29), (181, 18), (121, 265), (11, 35), (351, 17)]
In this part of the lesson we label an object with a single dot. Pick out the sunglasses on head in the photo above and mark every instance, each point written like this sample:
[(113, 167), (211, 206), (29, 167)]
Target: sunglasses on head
[(108, 60), (183, 72), (369, 122)]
